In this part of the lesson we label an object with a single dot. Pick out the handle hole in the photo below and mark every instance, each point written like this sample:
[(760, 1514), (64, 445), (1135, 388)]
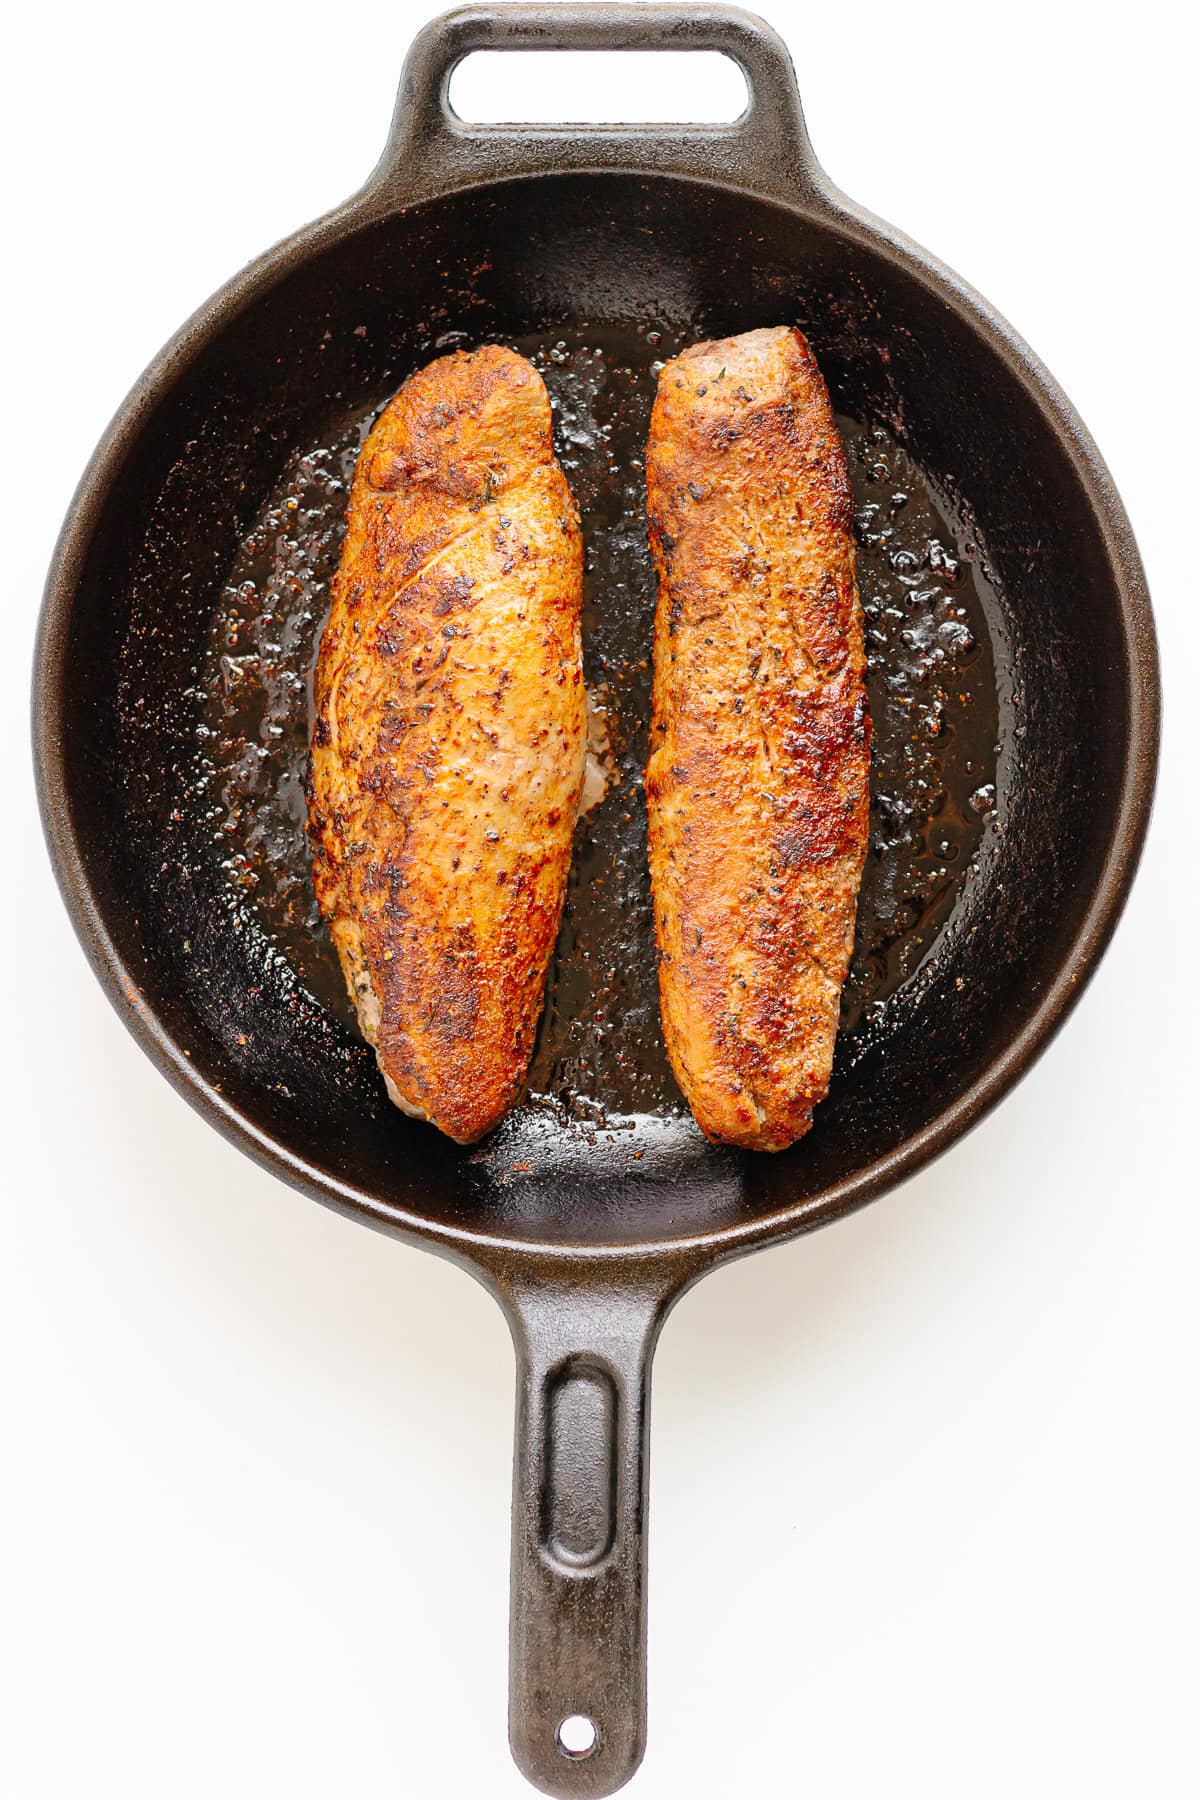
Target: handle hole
[(598, 87), (576, 1737)]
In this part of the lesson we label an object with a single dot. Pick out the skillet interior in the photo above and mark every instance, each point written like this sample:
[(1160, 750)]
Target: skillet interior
[(533, 259)]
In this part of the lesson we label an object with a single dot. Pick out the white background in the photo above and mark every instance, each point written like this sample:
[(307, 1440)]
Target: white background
[(924, 1486)]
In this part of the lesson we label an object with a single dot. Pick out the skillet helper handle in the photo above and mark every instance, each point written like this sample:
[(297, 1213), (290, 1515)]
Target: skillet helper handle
[(577, 1650), (431, 151)]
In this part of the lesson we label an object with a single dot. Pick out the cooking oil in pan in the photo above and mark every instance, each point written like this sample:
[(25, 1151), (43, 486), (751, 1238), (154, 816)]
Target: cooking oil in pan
[(931, 682)]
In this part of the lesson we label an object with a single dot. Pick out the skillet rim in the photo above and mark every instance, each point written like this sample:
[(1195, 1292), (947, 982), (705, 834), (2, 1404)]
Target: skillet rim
[(484, 1252)]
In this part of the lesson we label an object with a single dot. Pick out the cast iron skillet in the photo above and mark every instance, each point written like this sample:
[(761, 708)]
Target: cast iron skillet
[(505, 232)]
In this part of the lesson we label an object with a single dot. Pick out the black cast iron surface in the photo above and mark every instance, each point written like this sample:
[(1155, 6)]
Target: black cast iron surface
[(1013, 687)]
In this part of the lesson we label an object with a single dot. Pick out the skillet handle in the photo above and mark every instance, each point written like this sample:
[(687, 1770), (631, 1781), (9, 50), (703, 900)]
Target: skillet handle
[(431, 151), (577, 1647)]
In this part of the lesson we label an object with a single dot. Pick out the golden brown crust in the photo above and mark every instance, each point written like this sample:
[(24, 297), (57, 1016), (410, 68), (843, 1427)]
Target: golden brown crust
[(448, 744), (757, 784)]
